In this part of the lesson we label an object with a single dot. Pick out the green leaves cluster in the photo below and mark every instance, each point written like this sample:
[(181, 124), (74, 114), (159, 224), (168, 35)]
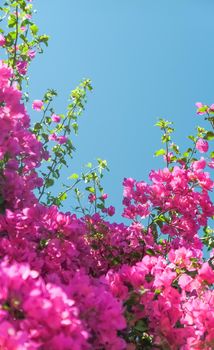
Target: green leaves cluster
[(60, 155)]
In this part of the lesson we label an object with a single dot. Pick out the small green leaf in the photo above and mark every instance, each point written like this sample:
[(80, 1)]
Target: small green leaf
[(75, 127), (209, 135), (49, 183), (37, 126), (90, 189), (11, 21), (73, 176), (63, 196), (150, 252), (160, 152), (34, 29)]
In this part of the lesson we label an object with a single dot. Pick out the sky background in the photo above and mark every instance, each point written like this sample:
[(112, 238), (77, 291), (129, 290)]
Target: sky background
[(146, 59)]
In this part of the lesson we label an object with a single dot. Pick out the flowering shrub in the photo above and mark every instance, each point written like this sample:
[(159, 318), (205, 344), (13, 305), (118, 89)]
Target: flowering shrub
[(79, 282)]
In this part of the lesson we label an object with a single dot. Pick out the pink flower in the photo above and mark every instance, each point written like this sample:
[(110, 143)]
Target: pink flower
[(199, 104), (202, 145), (31, 54), (55, 118), (22, 67), (201, 108), (168, 157), (104, 196), (52, 137), (62, 139), (91, 197), (2, 40), (111, 210), (37, 105), (206, 273), (211, 163), (199, 164)]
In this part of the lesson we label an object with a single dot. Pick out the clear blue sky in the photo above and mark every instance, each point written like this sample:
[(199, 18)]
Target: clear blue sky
[(146, 58)]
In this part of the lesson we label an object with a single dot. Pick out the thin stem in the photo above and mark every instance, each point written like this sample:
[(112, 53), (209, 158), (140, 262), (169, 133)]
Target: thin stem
[(16, 39), (77, 181), (167, 149)]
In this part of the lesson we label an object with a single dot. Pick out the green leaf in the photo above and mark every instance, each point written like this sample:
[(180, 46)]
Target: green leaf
[(212, 154), (141, 326), (63, 196), (165, 138), (37, 126), (160, 152), (44, 39), (89, 165), (209, 135), (192, 138), (90, 189), (75, 127), (34, 29), (43, 243), (175, 148), (73, 176), (150, 252), (102, 163), (49, 183), (203, 109), (11, 21)]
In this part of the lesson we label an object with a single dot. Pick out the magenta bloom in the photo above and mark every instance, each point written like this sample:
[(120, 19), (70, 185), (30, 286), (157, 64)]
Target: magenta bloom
[(202, 145), (37, 105), (2, 40), (111, 210), (62, 139), (199, 164), (52, 137), (22, 67), (104, 196), (91, 197), (55, 118)]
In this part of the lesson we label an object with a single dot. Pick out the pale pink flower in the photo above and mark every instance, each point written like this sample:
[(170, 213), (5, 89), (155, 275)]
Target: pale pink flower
[(31, 54), (37, 105), (52, 137), (199, 104), (2, 40), (55, 118), (202, 145), (211, 163)]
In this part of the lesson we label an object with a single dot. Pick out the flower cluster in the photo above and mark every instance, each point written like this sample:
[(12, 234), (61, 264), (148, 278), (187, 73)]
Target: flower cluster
[(85, 283)]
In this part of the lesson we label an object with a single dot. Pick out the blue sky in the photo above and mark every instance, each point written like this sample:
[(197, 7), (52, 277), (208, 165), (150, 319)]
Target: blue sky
[(146, 58)]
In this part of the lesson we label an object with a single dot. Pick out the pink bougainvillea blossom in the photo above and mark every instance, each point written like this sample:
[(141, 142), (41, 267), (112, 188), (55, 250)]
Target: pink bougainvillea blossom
[(37, 105), (55, 118), (2, 40), (202, 145), (62, 139)]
